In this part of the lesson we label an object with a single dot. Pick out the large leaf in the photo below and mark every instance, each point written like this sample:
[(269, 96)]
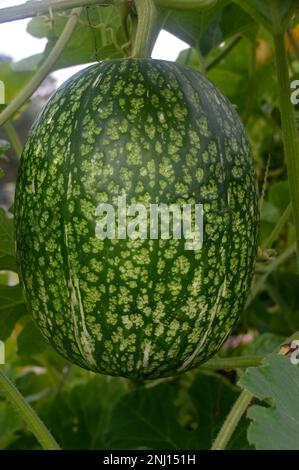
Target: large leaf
[(275, 427), (7, 247), (78, 418), (12, 308), (272, 14), (13, 80), (207, 29), (213, 399), (97, 36), (30, 341), (152, 417)]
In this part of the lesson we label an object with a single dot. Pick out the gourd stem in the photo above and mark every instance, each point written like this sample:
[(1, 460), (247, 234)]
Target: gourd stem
[(43, 70), (232, 420), (146, 32), (230, 363), (25, 411), (289, 129)]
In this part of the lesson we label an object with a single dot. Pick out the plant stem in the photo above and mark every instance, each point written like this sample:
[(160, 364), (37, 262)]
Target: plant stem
[(230, 363), (146, 32), (289, 129), (33, 422), (14, 138), (224, 51), (249, 102), (44, 69), (28, 10), (278, 227), (232, 420)]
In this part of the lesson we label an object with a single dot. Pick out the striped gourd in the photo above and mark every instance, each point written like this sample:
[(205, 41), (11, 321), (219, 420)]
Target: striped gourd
[(156, 132)]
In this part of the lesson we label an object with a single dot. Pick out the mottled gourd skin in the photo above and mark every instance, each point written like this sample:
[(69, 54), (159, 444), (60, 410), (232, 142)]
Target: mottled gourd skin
[(157, 132)]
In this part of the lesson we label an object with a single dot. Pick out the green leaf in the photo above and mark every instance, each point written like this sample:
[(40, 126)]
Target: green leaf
[(279, 195), (12, 308), (275, 427), (263, 12), (79, 417), (204, 30), (10, 424), (30, 341), (213, 399), (28, 64), (13, 81), (269, 212), (150, 415), (99, 33), (7, 247)]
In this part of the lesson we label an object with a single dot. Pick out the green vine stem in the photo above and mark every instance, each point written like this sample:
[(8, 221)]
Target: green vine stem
[(230, 363), (31, 9), (289, 129), (33, 422), (232, 420), (14, 138), (28, 10), (43, 70), (146, 31)]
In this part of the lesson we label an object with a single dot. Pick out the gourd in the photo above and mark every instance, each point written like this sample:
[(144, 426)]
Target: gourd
[(154, 132)]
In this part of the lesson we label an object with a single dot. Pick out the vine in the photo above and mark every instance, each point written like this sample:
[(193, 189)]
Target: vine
[(27, 413)]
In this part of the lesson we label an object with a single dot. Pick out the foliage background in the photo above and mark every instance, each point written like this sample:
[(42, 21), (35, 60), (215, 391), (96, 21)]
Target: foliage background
[(88, 411)]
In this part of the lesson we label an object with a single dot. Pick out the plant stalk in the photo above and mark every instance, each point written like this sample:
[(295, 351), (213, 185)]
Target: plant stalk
[(146, 32), (27, 413), (230, 363), (43, 70), (289, 130), (29, 10), (232, 420)]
